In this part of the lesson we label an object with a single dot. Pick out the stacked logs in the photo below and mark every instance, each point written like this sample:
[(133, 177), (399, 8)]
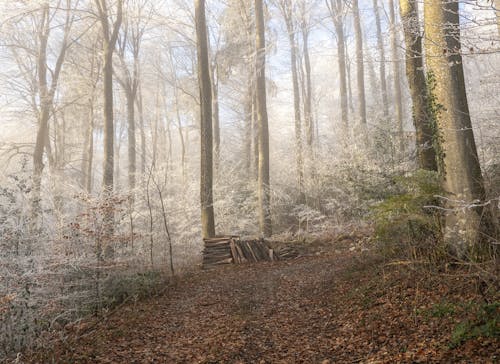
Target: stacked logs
[(233, 250)]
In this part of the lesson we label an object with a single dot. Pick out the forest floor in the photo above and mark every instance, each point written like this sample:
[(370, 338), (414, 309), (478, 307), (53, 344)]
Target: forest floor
[(338, 307)]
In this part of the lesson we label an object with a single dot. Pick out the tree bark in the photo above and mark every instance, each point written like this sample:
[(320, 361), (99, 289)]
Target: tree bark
[(129, 80), (263, 180), (88, 152), (335, 8), (109, 40), (380, 46), (88, 148), (46, 94), (287, 13), (422, 120), (117, 147), (107, 182), (142, 131), (110, 36), (131, 139), (206, 175), (215, 115), (462, 178), (360, 68), (308, 89), (248, 135), (398, 103), (349, 79)]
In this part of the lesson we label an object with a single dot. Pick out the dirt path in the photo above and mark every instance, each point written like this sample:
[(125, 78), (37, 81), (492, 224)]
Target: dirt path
[(310, 310)]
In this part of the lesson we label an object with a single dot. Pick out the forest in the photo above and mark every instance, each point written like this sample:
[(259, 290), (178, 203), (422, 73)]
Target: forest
[(249, 181)]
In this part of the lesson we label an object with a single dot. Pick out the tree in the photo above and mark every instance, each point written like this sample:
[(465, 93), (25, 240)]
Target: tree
[(304, 24), (380, 46), (336, 8), (360, 69), (129, 43), (287, 11), (264, 191), (109, 36), (465, 219), (88, 148), (214, 74), (398, 103), (206, 174), (422, 118), (47, 90)]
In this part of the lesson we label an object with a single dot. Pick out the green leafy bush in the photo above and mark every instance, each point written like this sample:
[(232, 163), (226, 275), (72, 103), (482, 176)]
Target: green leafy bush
[(405, 224)]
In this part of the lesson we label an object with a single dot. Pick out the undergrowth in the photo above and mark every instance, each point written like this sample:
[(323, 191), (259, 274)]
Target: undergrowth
[(404, 224), (485, 323)]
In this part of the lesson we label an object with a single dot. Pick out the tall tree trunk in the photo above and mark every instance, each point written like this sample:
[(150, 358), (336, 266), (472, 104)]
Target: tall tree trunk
[(463, 181), (110, 35), (349, 79), (215, 115), (90, 159), (206, 175), (255, 131), (308, 90), (130, 43), (335, 8), (43, 116), (108, 138), (341, 50), (88, 148), (264, 191), (418, 88), (248, 135), (398, 103), (380, 46), (287, 13), (117, 147), (360, 68), (131, 139), (46, 94), (88, 152), (142, 131)]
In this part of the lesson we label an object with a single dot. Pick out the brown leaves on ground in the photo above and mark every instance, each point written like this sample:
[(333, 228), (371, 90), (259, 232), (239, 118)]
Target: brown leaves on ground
[(325, 309)]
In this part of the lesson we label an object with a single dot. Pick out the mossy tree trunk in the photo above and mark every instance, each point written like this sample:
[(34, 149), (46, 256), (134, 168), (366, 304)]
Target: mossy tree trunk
[(465, 221), (422, 119)]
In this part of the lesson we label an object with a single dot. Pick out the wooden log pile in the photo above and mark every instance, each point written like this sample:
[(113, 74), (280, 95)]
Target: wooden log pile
[(288, 252), (233, 250)]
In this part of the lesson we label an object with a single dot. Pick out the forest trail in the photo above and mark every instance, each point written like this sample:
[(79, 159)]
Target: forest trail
[(320, 309)]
